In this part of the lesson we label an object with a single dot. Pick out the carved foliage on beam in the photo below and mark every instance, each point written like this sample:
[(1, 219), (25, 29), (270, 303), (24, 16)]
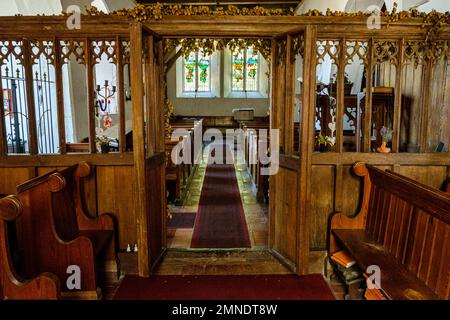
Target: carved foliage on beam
[(420, 51), (125, 52), (298, 45)]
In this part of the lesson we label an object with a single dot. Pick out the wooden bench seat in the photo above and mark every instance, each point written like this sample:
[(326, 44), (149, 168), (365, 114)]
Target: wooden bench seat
[(50, 240), (99, 228), (397, 282), (44, 286), (403, 228)]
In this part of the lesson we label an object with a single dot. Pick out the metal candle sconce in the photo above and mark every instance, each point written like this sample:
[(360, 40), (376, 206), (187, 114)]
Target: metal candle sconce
[(105, 94)]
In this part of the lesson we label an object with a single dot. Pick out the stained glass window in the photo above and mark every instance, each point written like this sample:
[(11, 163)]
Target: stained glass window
[(196, 70), (245, 70)]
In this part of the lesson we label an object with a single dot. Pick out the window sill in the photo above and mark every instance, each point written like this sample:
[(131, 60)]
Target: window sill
[(248, 95), (197, 95)]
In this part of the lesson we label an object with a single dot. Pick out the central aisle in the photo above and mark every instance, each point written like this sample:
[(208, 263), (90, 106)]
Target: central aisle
[(220, 221)]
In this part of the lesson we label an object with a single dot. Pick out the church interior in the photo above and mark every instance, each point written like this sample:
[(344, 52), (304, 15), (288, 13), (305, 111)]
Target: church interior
[(223, 150)]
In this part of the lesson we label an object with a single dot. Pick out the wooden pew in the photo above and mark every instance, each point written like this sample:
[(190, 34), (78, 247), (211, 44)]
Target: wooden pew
[(44, 286), (101, 228), (174, 173), (177, 176), (50, 240), (403, 228), (251, 141)]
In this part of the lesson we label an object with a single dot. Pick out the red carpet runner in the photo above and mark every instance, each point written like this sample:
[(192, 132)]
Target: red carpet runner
[(261, 287), (220, 220)]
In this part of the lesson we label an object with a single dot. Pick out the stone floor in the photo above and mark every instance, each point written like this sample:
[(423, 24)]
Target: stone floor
[(255, 213)]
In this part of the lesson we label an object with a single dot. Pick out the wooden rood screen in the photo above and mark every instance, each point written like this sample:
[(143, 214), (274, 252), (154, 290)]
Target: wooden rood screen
[(60, 93), (65, 90)]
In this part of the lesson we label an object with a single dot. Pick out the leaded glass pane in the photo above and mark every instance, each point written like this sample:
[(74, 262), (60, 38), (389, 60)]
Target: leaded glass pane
[(238, 70), (189, 72), (251, 74), (203, 72)]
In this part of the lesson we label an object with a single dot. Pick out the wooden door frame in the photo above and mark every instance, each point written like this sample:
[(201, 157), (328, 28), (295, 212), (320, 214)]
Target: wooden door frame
[(303, 166), (300, 163), (143, 157)]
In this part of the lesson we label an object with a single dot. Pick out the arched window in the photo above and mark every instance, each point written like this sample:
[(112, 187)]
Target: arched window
[(196, 72), (245, 70)]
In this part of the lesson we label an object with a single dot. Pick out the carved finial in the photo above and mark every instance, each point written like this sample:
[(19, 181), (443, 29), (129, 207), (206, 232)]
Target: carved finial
[(83, 169), (56, 182), (360, 169), (10, 208)]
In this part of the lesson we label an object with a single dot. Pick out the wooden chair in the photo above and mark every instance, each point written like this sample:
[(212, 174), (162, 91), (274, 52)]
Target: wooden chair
[(402, 228), (12, 286), (100, 229), (50, 239)]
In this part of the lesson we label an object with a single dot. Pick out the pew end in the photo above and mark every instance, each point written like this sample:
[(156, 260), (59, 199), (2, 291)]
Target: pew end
[(45, 286), (53, 242), (358, 221), (97, 227)]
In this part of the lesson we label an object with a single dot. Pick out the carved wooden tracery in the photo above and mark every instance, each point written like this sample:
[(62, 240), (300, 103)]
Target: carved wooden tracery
[(356, 48), (73, 48), (11, 47), (386, 50), (330, 48), (125, 52), (45, 48), (104, 47)]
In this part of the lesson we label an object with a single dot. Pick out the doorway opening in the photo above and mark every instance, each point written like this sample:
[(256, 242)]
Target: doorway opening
[(254, 89)]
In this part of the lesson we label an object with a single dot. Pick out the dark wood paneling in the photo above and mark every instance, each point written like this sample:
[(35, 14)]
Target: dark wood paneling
[(322, 206), (10, 178), (285, 214), (115, 194), (432, 176)]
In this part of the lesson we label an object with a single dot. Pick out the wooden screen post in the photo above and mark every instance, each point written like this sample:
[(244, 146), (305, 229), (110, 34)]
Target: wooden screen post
[(306, 149), (120, 95), (28, 65), (137, 92), (3, 143), (340, 105), (368, 106), (60, 97), (288, 98), (148, 62), (90, 94), (273, 125), (426, 101), (398, 97), (160, 147)]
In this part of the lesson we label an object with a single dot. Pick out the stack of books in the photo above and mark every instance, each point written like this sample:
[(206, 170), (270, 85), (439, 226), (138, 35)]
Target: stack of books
[(343, 258), (347, 266), (373, 294)]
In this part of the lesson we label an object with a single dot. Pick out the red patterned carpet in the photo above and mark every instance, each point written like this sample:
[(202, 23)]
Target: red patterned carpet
[(260, 287), (220, 220)]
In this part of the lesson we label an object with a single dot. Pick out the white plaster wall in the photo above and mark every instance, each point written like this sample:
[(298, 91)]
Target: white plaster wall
[(8, 8), (321, 5), (211, 106), (112, 5)]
